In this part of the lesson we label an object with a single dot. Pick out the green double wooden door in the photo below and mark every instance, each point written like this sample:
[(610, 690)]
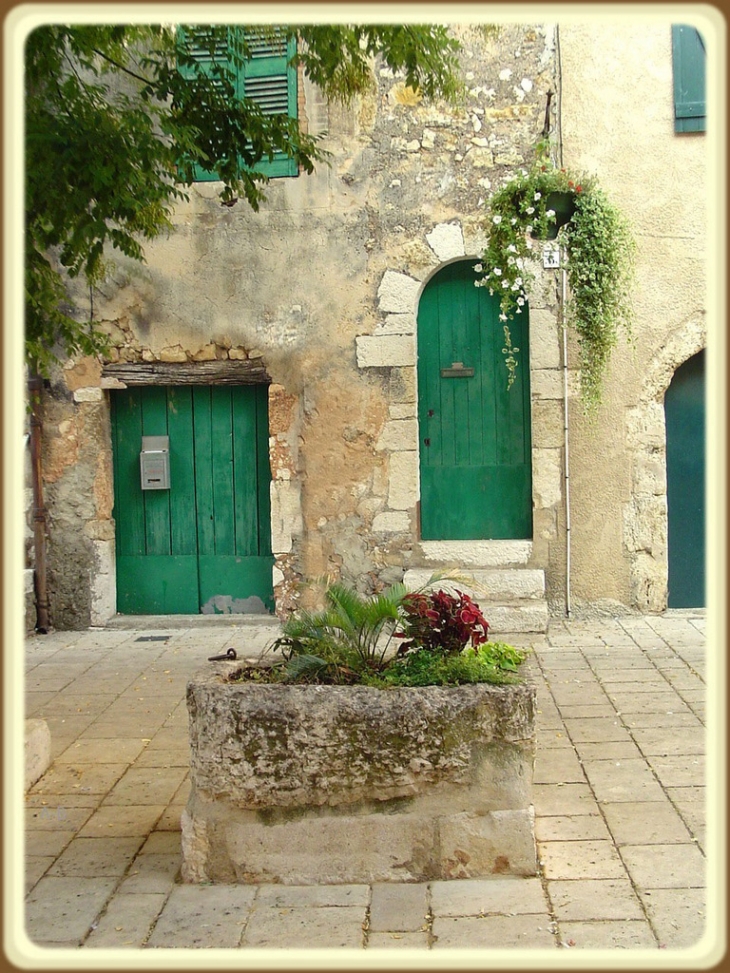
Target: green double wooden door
[(684, 407), (204, 544), (474, 431)]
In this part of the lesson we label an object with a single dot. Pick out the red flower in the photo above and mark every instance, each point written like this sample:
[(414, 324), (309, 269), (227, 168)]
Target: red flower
[(579, 189)]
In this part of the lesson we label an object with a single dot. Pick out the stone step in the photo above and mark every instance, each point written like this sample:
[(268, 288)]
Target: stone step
[(476, 554), (491, 584)]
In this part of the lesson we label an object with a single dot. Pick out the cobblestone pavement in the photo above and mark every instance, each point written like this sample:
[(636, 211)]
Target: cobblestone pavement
[(619, 799)]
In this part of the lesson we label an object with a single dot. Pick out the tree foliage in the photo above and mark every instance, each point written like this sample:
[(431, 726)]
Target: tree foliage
[(118, 117)]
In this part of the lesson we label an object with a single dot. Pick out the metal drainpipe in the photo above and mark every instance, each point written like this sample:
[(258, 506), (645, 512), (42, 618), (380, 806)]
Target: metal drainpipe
[(565, 429), (35, 386)]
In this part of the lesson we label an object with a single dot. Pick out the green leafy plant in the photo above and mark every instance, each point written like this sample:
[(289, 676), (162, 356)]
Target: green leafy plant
[(346, 639), (600, 254), (349, 641), (441, 622)]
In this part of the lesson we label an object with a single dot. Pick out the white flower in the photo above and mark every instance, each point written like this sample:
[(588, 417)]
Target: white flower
[(515, 287), (503, 317), (511, 261), (512, 248), (518, 281), (513, 221), (530, 210), (478, 268), (528, 229), (505, 283), (538, 196), (497, 272), (496, 220), (520, 301), (550, 212)]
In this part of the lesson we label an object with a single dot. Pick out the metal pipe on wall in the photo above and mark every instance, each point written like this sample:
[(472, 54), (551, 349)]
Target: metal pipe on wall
[(35, 386), (565, 429)]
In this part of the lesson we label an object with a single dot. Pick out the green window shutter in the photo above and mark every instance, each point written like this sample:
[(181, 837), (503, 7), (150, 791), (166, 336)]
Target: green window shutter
[(688, 59), (271, 82), (267, 79)]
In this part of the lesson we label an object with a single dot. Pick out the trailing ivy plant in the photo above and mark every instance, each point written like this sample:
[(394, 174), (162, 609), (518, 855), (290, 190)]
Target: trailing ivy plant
[(600, 257)]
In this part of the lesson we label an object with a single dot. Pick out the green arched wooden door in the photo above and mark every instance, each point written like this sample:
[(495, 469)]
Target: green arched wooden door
[(474, 431), (684, 408)]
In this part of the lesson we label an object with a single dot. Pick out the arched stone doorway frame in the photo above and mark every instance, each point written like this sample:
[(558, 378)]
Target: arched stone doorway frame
[(393, 344), (645, 515)]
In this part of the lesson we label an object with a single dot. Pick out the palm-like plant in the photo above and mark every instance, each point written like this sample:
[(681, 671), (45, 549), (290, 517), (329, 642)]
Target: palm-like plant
[(346, 639)]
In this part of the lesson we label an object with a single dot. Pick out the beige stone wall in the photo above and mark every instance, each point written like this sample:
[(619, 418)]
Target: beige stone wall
[(322, 284), (618, 123)]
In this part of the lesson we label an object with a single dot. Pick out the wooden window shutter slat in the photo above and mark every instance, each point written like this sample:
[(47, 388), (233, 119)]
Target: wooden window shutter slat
[(688, 61), (266, 78)]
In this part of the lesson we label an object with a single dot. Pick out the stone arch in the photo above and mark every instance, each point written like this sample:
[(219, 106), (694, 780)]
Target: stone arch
[(645, 515)]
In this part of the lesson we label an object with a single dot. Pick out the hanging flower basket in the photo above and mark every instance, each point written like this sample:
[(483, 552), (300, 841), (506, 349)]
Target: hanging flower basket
[(563, 205), (534, 205)]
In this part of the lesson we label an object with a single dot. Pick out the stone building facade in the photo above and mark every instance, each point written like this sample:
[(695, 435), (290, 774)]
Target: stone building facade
[(320, 291)]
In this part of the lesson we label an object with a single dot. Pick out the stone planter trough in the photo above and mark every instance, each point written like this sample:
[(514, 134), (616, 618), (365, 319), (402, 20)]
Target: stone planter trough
[(332, 784)]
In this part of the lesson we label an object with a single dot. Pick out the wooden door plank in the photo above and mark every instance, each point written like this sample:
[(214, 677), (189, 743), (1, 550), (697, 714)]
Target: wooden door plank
[(222, 470), (128, 500), (244, 461), (183, 527), (203, 470), (263, 471)]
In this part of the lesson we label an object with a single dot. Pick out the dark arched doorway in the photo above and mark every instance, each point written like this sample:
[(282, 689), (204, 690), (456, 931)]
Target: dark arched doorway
[(684, 409)]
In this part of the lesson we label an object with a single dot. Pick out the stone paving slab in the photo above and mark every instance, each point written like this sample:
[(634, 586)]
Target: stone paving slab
[(665, 866), (154, 785), (203, 916), (558, 766), (622, 780), (398, 908), (96, 857), (398, 940), (475, 897), (314, 896), (651, 823), (64, 909), (569, 799), (112, 751), (622, 934), (332, 927), (579, 859), (679, 771), (120, 821), (581, 827), (592, 899), (679, 916), (127, 922), (152, 873), (493, 932)]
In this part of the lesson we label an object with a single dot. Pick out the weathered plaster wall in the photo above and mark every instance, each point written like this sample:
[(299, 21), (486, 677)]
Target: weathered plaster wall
[(305, 284), (618, 122)]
